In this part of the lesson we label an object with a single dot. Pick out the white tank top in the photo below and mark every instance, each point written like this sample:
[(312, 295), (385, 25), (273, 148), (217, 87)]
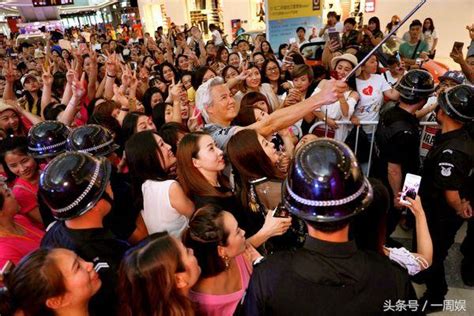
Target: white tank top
[(157, 213)]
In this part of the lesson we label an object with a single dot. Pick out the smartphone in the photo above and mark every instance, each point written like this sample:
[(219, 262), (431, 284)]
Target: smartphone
[(410, 188), (335, 37), (292, 40), (281, 211), (457, 47), (133, 65)]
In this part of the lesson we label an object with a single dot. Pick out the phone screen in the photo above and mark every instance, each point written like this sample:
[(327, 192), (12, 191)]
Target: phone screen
[(457, 46), (281, 211), (410, 188), (335, 37)]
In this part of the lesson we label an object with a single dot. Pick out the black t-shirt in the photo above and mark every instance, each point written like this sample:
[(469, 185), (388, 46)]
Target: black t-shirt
[(401, 143), (448, 166), (99, 246), (325, 278)]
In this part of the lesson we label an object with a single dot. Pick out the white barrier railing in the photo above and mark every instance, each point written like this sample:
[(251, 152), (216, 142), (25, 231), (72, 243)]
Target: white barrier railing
[(366, 123)]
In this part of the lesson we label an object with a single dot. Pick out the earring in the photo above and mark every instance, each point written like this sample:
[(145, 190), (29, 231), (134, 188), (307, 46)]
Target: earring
[(253, 199), (226, 262)]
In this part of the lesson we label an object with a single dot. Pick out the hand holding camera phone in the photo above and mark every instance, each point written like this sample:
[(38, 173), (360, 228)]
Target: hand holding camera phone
[(281, 211), (410, 188)]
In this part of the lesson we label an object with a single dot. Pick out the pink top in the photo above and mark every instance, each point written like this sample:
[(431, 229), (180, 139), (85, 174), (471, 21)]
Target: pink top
[(26, 195), (223, 305), (14, 247)]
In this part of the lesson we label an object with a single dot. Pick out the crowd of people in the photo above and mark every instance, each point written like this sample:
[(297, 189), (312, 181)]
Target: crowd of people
[(166, 175)]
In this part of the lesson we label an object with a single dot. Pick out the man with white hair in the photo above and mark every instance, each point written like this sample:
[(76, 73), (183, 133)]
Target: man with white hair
[(219, 109)]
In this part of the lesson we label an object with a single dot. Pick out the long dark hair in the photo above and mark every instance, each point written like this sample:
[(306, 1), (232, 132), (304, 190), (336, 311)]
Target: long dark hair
[(35, 279), (17, 145), (190, 178), (147, 96), (250, 161), (147, 283), (144, 160), (129, 124), (167, 64), (204, 234), (431, 28), (375, 20)]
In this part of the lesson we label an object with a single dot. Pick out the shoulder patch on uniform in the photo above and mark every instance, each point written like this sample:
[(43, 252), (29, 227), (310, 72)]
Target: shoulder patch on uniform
[(447, 151), (445, 168)]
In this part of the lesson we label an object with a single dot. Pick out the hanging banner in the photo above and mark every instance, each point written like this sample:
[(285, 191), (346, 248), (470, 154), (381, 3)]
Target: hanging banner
[(285, 16)]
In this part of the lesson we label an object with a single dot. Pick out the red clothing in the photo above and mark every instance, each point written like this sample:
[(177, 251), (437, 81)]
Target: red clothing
[(15, 247), (26, 195)]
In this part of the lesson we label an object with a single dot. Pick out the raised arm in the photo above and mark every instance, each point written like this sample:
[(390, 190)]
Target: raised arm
[(47, 88), (286, 117)]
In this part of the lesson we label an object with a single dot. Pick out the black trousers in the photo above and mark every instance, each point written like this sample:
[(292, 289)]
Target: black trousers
[(443, 229)]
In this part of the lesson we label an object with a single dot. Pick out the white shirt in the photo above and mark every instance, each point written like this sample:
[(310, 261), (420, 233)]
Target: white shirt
[(390, 79), (334, 112), (371, 98), (218, 38), (157, 213), (429, 38)]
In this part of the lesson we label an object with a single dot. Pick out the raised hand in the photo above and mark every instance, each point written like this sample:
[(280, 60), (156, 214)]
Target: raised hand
[(47, 77), (9, 72), (78, 90), (111, 64)]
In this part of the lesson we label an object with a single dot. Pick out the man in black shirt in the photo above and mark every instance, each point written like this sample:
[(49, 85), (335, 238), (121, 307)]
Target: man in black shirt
[(329, 275), (124, 219), (397, 138), (447, 188), (76, 188)]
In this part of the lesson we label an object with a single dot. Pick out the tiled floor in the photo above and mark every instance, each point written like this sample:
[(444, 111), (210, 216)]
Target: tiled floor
[(457, 289)]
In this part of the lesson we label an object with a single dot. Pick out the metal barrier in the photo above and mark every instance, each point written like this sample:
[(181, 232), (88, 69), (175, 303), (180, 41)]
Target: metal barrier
[(374, 127)]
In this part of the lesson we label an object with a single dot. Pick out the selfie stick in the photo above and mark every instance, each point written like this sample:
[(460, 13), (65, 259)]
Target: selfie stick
[(353, 71)]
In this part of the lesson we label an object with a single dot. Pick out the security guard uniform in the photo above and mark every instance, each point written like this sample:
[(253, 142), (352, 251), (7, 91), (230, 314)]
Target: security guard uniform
[(448, 166), (397, 139), (325, 186)]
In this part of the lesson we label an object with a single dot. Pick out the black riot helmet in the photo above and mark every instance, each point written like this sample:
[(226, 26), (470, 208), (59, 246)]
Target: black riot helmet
[(415, 85), (458, 103), (325, 183), (93, 139), (47, 139), (73, 183)]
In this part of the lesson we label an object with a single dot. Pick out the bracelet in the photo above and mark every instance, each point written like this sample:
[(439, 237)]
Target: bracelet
[(111, 76), (124, 109)]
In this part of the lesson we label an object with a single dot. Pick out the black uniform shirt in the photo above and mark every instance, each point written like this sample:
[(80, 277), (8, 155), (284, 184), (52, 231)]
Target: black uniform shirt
[(325, 278), (99, 246), (448, 166), (403, 148)]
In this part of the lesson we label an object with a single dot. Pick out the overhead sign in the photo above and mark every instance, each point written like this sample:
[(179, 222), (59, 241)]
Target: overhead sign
[(369, 6), (51, 3), (285, 16)]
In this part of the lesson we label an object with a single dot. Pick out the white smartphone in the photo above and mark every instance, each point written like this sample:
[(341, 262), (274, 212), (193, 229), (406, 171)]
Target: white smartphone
[(292, 40), (410, 188)]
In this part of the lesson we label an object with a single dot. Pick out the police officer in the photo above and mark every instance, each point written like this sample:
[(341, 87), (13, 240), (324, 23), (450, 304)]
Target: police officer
[(46, 140), (124, 220), (76, 188), (397, 139), (447, 188), (328, 276)]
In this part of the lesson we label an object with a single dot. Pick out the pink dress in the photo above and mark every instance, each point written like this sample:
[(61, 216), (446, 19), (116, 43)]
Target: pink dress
[(223, 305), (26, 195), (14, 247)]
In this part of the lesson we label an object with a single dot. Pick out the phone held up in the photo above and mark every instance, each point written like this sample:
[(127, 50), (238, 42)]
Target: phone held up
[(410, 188)]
